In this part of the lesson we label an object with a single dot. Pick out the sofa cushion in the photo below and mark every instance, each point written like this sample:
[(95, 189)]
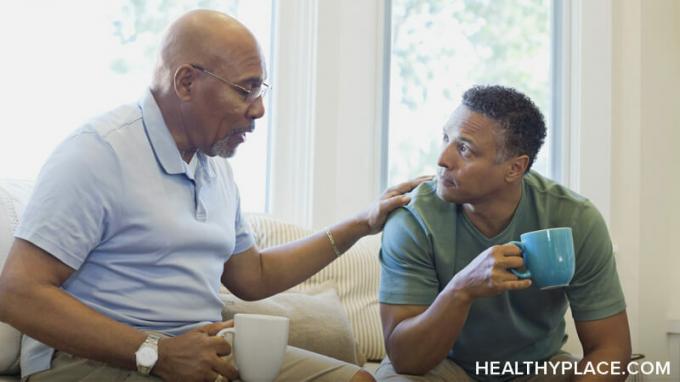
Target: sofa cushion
[(318, 322), (356, 275), (10, 346), (13, 197)]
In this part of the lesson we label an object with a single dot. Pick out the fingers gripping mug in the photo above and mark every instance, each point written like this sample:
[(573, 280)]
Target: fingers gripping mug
[(548, 257), (258, 344)]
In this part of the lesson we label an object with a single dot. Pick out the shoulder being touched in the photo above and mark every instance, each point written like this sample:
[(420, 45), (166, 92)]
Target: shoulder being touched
[(410, 225), (425, 195), (423, 189), (418, 195)]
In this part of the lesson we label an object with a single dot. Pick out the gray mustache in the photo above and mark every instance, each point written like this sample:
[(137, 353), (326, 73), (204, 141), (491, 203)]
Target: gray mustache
[(248, 129)]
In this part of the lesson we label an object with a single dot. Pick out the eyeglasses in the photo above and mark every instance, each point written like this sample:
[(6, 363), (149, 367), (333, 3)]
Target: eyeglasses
[(249, 95)]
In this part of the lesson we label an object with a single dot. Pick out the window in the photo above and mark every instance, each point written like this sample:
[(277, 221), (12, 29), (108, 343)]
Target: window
[(65, 62), (441, 48)]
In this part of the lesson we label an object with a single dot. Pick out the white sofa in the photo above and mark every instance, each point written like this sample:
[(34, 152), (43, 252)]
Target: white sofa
[(344, 292)]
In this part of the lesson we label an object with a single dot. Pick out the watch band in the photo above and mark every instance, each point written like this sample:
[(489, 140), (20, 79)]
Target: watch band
[(152, 342)]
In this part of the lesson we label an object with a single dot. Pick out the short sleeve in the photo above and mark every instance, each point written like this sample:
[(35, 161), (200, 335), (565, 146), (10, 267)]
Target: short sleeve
[(408, 273), (71, 207), (244, 238), (595, 291)]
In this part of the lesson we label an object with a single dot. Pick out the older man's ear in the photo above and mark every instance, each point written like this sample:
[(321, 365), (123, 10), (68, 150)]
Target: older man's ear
[(184, 79)]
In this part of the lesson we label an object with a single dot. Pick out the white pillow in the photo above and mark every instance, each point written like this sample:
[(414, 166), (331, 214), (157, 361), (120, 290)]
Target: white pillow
[(318, 322), (13, 197), (356, 275), (10, 347), (12, 201)]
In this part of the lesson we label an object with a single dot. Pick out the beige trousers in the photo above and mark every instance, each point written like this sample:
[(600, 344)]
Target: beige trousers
[(449, 371), (298, 365)]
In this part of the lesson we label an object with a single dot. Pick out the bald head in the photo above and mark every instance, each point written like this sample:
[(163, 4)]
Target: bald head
[(204, 37)]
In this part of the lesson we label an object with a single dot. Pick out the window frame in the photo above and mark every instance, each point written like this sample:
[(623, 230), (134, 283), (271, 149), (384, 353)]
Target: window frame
[(558, 159), (324, 185)]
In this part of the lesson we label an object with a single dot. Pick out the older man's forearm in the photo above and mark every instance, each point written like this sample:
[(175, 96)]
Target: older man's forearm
[(72, 326)]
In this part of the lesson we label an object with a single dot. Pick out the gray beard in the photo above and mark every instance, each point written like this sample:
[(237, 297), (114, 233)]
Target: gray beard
[(222, 149)]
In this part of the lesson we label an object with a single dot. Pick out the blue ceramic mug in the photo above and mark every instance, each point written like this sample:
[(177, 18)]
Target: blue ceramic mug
[(548, 257)]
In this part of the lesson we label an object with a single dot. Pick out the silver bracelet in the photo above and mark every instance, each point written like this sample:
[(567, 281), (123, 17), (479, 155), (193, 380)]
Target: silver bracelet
[(332, 240)]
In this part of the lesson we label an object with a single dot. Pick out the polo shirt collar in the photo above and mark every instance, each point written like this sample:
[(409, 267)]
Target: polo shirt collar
[(161, 140)]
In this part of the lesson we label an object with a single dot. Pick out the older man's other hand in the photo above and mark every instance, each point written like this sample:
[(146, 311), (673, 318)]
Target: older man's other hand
[(390, 200)]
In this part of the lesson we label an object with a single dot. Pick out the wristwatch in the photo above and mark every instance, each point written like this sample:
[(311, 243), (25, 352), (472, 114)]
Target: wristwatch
[(147, 354)]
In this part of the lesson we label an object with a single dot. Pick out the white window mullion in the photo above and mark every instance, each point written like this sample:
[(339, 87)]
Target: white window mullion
[(590, 113), (292, 135), (561, 91)]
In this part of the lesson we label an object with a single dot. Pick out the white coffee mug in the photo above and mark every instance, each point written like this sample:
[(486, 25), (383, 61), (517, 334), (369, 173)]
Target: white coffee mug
[(258, 344)]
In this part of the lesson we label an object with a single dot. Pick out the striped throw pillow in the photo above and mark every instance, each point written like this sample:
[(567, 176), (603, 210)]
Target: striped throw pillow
[(356, 275)]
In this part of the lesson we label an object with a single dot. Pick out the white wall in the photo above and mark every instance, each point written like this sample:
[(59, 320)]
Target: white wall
[(646, 177), (627, 160), (626, 152), (674, 127)]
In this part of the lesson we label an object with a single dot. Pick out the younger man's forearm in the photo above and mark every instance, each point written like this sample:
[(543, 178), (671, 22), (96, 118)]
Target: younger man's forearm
[(418, 344)]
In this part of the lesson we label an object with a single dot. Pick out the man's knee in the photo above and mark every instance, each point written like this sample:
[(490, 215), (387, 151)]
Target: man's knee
[(362, 376)]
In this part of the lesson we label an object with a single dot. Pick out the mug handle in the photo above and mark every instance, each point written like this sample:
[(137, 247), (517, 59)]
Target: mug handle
[(522, 275), (229, 331)]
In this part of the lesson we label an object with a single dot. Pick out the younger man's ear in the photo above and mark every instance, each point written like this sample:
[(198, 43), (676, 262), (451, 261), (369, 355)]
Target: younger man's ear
[(518, 166), (183, 80)]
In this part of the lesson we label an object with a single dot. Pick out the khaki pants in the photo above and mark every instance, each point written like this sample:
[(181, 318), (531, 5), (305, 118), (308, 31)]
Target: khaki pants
[(298, 365), (449, 371)]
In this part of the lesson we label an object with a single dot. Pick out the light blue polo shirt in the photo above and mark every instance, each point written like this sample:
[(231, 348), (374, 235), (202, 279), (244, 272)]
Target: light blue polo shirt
[(146, 234)]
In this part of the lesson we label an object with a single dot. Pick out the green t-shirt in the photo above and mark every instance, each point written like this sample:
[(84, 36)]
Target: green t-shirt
[(427, 242)]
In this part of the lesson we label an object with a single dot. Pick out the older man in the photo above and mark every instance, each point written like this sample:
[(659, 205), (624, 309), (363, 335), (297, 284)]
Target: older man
[(450, 306), (134, 222)]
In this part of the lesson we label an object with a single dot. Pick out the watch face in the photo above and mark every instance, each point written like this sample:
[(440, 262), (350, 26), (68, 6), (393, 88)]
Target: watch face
[(147, 356)]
